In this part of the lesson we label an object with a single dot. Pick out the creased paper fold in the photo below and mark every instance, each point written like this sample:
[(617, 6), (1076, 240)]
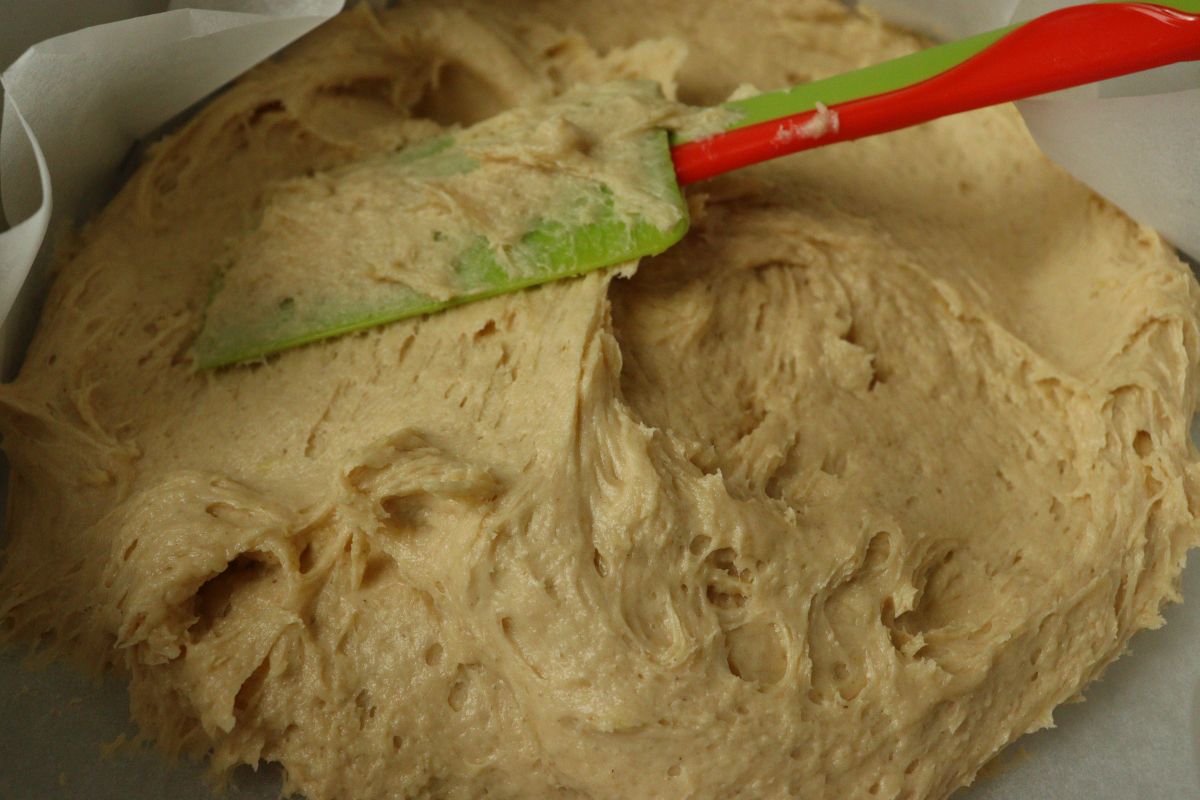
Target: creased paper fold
[(75, 104)]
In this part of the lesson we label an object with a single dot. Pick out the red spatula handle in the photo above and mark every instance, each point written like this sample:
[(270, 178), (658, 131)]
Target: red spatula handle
[(1062, 49)]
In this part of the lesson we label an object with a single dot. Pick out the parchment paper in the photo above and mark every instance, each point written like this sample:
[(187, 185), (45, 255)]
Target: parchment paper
[(75, 104)]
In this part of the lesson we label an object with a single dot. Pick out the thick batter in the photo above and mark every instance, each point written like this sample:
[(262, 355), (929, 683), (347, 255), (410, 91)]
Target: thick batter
[(833, 500)]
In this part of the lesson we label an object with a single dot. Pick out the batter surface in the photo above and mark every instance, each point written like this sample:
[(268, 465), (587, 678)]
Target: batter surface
[(835, 499)]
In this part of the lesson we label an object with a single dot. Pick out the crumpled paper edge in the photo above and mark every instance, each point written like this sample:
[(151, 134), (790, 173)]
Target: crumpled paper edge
[(157, 66)]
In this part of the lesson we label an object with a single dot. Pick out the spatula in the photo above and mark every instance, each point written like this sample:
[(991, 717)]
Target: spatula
[(252, 313)]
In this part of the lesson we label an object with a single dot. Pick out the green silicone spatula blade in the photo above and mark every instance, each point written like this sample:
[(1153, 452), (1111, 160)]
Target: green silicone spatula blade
[(590, 224), (251, 315)]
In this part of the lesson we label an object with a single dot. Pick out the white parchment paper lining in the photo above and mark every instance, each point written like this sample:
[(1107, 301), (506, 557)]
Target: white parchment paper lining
[(75, 104)]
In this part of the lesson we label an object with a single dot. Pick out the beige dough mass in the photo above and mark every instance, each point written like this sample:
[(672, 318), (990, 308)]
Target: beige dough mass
[(834, 500)]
